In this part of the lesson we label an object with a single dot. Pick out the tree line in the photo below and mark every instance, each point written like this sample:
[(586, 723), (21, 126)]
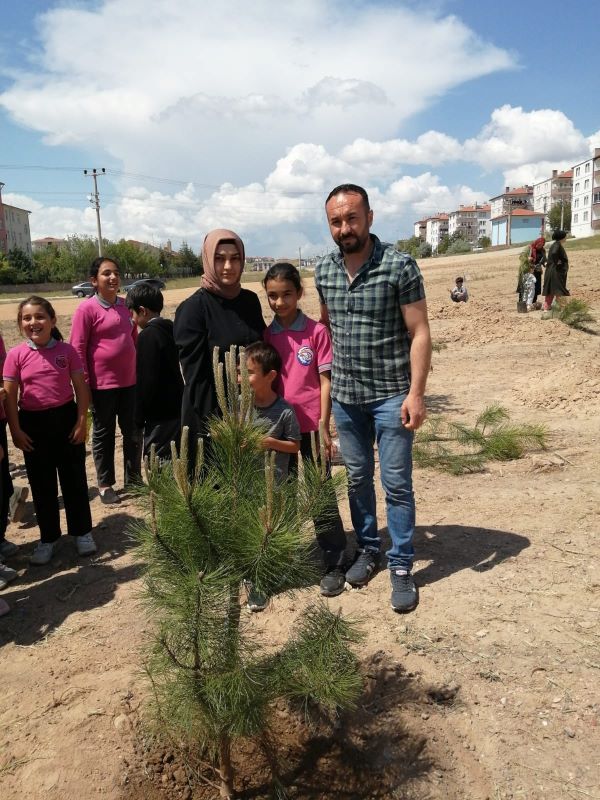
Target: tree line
[(69, 262)]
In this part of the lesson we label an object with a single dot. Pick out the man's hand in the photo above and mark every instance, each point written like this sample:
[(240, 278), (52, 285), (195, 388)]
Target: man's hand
[(413, 412)]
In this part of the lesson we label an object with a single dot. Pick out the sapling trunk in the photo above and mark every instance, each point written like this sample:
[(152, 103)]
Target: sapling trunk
[(225, 767)]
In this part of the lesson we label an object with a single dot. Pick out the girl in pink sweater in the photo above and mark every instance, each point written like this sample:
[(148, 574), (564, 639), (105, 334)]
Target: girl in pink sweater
[(104, 336), (48, 424)]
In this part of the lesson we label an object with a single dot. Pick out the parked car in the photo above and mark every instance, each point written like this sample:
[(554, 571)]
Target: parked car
[(156, 282), (84, 289)]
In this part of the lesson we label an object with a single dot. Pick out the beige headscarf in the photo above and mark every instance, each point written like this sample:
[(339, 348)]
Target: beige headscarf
[(210, 281)]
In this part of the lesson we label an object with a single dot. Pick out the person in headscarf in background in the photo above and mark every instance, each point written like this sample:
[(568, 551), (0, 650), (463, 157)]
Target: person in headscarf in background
[(537, 258), (219, 314), (557, 266)]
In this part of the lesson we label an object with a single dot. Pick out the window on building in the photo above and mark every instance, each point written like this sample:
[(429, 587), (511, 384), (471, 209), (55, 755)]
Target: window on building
[(577, 172), (576, 203), (587, 167), (576, 187), (596, 197), (586, 183), (575, 217), (585, 200)]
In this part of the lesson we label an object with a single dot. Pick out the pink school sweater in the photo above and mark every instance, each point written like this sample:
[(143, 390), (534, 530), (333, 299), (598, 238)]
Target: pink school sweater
[(305, 350), (104, 337), (43, 374)]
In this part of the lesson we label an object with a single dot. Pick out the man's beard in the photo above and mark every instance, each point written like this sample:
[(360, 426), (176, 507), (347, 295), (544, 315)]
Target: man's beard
[(351, 244)]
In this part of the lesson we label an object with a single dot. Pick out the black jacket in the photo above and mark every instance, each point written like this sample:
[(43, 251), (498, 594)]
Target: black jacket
[(202, 322), (159, 387)]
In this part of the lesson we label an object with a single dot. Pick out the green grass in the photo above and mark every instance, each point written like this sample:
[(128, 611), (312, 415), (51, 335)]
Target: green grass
[(589, 243)]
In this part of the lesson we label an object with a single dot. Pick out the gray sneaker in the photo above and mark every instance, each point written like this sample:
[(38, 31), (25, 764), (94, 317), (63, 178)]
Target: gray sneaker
[(7, 574), (42, 553), (405, 596), (109, 497), (364, 566)]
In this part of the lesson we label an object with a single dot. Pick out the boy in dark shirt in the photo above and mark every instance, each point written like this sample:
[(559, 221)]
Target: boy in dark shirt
[(283, 436), (159, 385)]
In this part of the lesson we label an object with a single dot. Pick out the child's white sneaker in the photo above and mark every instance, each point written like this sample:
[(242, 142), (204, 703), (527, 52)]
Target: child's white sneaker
[(42, 553), (85, 544)]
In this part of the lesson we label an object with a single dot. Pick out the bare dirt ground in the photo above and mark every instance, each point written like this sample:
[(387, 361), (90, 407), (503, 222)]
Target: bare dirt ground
[(490, 689)]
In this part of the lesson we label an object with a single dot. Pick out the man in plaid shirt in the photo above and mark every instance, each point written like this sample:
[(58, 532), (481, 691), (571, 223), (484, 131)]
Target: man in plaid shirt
[(373, 300)]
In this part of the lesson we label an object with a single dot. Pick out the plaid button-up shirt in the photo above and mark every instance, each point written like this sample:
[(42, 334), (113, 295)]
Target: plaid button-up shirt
[(371, 346)]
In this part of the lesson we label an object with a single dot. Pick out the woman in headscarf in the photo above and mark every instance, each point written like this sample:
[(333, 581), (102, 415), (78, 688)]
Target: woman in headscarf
[(537, 257), (555, 278), (219, 314)]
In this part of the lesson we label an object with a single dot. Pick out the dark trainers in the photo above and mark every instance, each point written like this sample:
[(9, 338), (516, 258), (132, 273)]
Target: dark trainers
[(405, 596), (360, 572), (109, 497), (333, 582)]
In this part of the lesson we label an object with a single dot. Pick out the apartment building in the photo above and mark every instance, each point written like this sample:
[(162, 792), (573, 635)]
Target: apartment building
[(553, 191), (522, 197), (420, 229), (45, 243), (436, 228), (585, 199), (14, 228), (472, 222)]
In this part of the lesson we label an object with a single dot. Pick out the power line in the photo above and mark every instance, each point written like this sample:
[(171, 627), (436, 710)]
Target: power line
[(157, 179)]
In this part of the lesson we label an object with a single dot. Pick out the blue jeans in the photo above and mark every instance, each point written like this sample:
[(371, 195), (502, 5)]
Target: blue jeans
[(359, 426)]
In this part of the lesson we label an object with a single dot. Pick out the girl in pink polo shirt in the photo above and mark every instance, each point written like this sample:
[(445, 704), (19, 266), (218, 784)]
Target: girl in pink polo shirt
[(49, 425), (104, 336), (305, 383)]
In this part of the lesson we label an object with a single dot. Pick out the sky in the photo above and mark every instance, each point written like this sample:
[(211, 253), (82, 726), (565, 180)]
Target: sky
[(244, 115)]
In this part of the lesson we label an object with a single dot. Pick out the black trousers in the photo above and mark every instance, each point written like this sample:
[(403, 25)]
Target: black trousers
[(6, 484), (53, 453), (538, 285), (331, 536), (161, 434), (110, 405)]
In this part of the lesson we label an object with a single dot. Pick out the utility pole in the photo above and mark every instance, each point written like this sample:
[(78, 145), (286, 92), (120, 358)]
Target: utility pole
[(95, 201), (562, 214), (299, 259)]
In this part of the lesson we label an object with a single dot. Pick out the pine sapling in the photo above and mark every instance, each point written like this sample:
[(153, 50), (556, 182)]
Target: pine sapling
[(457, 448), (205, 535)]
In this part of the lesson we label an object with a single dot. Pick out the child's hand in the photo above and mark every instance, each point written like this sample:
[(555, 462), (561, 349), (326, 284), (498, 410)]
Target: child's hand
[(77, 435), (23, 441)]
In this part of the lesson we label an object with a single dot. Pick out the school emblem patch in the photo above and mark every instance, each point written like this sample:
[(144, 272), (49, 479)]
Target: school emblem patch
[(305, 356), (61, 362)]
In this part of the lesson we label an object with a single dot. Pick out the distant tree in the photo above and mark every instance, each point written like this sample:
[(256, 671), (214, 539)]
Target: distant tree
[(410, 246), (458, 246), (443, 244), (554, 215), (134, 260), (424, 250), (484, 241), (188, 263), (22, 264)]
